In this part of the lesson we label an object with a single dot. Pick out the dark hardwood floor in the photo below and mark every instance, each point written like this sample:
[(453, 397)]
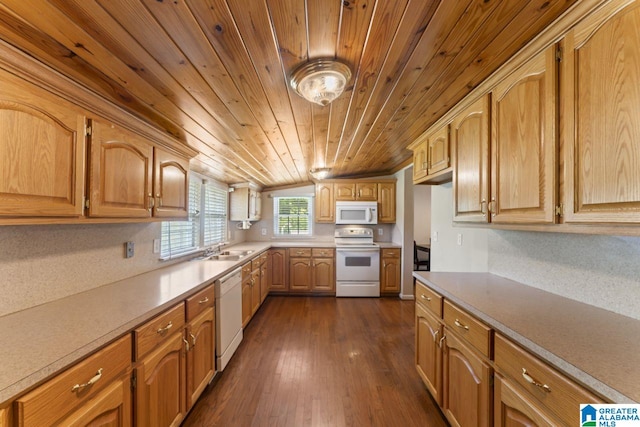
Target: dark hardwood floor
[(314, 361)]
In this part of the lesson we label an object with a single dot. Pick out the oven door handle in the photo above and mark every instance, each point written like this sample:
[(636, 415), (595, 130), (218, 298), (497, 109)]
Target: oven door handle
[(342, 250)]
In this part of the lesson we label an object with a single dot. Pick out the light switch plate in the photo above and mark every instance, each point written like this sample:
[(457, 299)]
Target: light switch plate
[(264, 231), (459, 241), (156, 246), (380, 231), (434, 236)]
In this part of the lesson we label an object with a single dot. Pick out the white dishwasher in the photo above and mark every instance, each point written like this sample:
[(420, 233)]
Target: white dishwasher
[(228, 317)]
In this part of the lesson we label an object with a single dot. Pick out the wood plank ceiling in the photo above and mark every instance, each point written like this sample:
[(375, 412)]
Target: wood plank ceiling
[(213, 73)]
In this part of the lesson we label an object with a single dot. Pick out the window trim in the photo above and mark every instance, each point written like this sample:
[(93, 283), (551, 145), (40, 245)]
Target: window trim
[(201, 218), (276, 217)]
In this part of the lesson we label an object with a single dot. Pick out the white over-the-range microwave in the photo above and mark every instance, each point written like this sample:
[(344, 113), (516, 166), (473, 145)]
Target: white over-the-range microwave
[(356, 213)]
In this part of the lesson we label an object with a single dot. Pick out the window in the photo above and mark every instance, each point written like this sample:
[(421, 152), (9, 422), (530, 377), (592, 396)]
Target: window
[(292, 216), (207, 223)]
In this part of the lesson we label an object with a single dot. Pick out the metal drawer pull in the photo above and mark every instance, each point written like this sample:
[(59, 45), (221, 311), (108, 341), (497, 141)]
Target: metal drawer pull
[(423, 296), (528, 378), (459, 324), (204, 301), (186, 343), (166, 328), (193, 340), (92, 381), (435, 336)]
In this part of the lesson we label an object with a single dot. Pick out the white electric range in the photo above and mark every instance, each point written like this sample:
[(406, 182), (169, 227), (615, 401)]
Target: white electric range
[(357, 263)]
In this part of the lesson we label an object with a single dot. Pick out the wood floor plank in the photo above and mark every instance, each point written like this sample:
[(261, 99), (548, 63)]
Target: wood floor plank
[(313, 361)]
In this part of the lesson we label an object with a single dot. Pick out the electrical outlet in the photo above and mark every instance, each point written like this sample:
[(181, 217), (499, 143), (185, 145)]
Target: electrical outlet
[(156, 246), (380, 231), (128, 249), (459, 239), (434, 236), (264, 231)]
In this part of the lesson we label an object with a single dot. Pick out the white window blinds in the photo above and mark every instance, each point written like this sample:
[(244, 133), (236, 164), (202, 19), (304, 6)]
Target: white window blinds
[(292, 216), (180, 237), (215, 215)]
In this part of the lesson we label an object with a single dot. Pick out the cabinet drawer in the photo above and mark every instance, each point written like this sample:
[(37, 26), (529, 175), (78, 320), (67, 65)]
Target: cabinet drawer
[(200, 302), (561, 395), (255, 263), (51, 401), (263, 257), (429, 299), (391, 253), (157, 330), (322, 252), (246, 271), (473, 331), (299, 252)]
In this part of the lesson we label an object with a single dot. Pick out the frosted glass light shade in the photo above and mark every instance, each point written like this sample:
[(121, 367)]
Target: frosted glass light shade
[(321, 80)]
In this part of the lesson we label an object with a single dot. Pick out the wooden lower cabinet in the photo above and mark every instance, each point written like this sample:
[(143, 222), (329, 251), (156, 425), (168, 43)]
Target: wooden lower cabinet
[(264, 281), (255, 291), (513, 408), (201, 333), (160, 396), (466, 384), (6, 417), (279, 281), (299, 274), (428, 351), (96, 391), (390, 272), (323, 275)]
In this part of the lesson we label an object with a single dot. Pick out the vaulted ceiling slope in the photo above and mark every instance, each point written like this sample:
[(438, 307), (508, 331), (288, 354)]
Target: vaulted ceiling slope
[(213, 73)]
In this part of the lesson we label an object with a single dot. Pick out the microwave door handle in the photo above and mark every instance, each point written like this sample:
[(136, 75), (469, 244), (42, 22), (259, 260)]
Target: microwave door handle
[(368, 214)]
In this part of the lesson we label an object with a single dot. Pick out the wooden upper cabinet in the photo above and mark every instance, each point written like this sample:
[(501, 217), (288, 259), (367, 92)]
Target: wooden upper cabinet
[(345, 190), (171, 185), (601, 133), (367, 191), (420, 161), (470, 145), (120, 172), (438, 150), (386, 202), (42, 152), (325, 203), (524, 143)]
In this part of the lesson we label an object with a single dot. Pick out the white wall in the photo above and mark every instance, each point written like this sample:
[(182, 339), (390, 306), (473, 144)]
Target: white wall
[(446, 254), (422, 213)]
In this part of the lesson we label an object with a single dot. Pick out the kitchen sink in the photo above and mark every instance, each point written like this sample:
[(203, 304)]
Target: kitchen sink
[(224, 256)]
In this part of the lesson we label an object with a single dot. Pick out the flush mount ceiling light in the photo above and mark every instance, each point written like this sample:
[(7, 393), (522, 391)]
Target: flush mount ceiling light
[(320, 173), (321, 80)]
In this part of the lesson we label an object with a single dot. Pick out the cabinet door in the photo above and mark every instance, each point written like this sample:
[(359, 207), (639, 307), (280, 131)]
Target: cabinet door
[(41, 152), (420, 162), (255, 291), (120, 173), (470, 145), (438, 155), (523, 146), (264, 281), (161, 390), (345, 190), (602, 126), (428, 352), (324, 276), (466, 393), (201, 355), (255, 205), (110, 408), (325, 203), (390, 275), (247, 293), (387, 202), (299, 274), (170, 185), (279, 270), (367, 191), (514, 409)]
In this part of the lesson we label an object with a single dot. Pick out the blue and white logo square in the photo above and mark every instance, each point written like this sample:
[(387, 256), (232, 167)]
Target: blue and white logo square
[(610, 415)]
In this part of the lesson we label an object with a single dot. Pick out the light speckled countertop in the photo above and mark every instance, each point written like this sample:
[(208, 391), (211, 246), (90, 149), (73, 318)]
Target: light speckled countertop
[(40, 341), (597, 347)]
